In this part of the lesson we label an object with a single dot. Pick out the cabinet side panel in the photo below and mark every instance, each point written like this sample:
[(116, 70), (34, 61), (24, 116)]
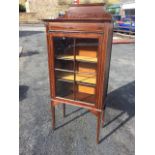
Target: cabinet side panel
[(105, 63), (108, 57), (48, 51), (50, 62)]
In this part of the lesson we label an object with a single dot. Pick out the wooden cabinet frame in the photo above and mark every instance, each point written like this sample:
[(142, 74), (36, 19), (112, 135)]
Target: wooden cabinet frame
[(72, 28)]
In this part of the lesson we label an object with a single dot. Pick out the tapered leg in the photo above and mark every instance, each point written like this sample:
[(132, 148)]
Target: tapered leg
[(64, 110), (53, 115), (102, 118), (98, 128)]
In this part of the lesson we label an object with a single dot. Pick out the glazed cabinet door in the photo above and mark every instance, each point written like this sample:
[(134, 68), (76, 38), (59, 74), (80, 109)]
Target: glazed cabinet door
[(76, 68)]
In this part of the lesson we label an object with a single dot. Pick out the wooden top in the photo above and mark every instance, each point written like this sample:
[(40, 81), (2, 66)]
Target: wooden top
[(84, 12)]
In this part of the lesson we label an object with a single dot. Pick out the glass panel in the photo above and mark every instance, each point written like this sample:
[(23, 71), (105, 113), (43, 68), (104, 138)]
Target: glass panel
[(86, 82), (64, 84), (64, 65), (86, 67), (75, 68), (85, 93), (86, 73), (64, 71), (86, 50), (64, 48), (64, 90)]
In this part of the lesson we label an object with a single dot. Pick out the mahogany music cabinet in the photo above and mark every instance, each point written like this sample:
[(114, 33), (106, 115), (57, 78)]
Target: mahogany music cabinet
[(79, 50)]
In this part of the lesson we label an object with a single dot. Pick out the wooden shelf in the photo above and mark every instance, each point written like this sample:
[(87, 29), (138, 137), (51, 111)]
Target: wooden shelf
[(64, 70), (81, 78), (78, 58), (77, 72)]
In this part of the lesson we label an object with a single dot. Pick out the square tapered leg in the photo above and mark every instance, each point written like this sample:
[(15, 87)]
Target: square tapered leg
[(53, 114), (64, 110), (102, 118), (98, 128)]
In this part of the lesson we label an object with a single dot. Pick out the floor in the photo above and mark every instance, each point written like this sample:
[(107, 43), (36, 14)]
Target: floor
[(75, 134)]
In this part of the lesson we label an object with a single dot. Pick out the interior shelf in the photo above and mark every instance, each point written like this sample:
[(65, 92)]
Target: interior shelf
[(78, 58), (64, 70), (81, 78), (77, 72)]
